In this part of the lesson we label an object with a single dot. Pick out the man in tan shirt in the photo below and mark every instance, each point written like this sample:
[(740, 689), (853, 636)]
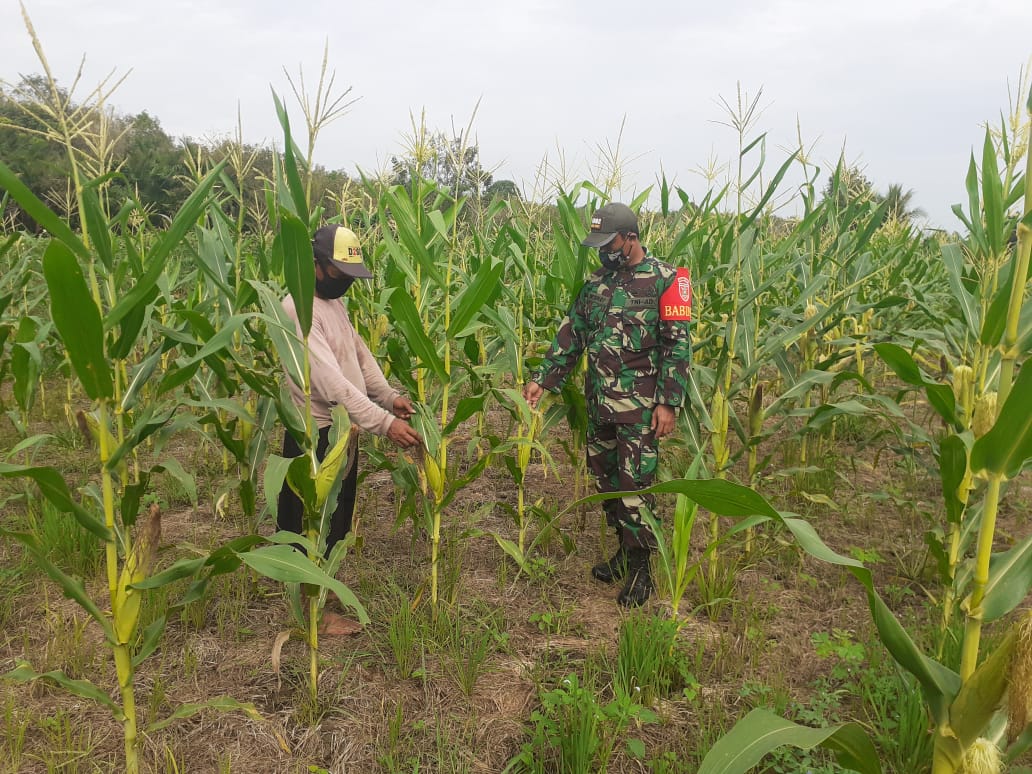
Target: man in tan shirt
[(343, 373)]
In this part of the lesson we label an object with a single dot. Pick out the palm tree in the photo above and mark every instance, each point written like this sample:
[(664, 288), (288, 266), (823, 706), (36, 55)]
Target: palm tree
[(899, 204)]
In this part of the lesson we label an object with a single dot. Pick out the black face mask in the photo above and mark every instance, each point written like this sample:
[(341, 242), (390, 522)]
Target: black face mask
[(329, 287), (612, 260)]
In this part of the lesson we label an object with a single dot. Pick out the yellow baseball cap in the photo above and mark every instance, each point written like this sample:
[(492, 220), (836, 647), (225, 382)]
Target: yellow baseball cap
[(339, 245)]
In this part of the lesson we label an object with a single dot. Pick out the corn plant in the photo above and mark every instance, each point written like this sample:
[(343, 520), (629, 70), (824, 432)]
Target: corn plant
[(316, 482), (966, 706), (436, 314), (99, 331), (516, 454)]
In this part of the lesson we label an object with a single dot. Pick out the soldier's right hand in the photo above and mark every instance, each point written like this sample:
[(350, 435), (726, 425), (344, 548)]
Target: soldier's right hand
[(532, 392), (403, 434)]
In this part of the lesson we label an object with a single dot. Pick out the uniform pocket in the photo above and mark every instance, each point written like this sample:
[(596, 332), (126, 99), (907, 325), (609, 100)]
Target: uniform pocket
[(639, 332)]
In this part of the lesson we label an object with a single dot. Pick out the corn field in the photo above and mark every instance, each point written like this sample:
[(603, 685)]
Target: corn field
[(843, 562)]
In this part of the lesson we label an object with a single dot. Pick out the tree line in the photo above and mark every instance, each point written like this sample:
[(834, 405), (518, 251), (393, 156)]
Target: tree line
[(135, 158)]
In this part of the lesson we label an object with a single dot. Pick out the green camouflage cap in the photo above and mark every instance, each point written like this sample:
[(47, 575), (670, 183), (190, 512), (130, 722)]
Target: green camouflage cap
[(608, 221)]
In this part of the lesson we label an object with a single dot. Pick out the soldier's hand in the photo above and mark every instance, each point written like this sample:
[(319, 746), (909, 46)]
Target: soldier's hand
[(532, 392), (403, 434), (663, 420), (403, 407)]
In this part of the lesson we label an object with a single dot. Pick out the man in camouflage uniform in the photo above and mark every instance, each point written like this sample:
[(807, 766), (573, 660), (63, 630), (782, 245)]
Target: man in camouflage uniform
[(632, 318)]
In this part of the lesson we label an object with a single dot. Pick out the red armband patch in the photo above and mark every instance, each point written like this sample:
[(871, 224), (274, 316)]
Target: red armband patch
[(676, 301)]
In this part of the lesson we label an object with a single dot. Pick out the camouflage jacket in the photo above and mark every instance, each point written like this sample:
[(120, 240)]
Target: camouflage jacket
[(636, 357)]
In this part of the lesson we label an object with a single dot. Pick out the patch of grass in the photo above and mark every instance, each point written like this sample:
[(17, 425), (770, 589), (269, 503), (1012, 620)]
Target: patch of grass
[(16, 576), (390, 755), (16, 722), (650, 663), (64, 745), (403, 630), (69, 646), (71, 547), (555, 621), (468, 643), (574, 732)]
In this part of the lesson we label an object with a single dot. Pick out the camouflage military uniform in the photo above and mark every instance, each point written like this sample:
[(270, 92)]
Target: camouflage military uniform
[(636, 359)]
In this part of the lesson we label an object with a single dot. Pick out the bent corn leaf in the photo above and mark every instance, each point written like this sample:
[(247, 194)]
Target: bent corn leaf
[(24, 673), (284, 564), (761, 732)]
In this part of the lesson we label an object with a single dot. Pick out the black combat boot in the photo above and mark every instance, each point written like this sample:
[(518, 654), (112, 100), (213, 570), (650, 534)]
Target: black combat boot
[(639, 584), (614, 569)]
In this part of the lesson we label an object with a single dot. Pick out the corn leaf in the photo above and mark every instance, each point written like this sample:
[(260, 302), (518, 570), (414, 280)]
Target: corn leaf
[(298, 268), (52, 484), (286, 538), (761, 732), (1010, 578), (992, 196), (174, 468), (290, 153), (185, 219), (284, 564), (39, 212), (24, 673), (953, 259), (275, 474), (151, 640), (212, 261), (1005, 448), (940, 396), (466, 408), (77, 319), (953, 461), (283, 332), (300, 479), (219, 703), (96, 222), (482, 290), (510, 548), (407, 320), (71, 587)]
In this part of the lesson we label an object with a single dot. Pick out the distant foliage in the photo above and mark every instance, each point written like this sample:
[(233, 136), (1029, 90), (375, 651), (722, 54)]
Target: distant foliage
[(148, 165)]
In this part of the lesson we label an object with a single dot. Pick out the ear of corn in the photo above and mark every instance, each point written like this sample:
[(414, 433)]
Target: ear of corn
[(138, 562), (330, 467)]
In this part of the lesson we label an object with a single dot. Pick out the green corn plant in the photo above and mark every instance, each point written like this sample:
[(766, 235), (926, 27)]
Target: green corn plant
[(516, 454), (963, 711), (316, 482), (675, 562), (435, 313), (100, 327)]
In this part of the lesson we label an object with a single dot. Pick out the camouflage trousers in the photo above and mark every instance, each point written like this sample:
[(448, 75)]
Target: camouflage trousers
[(624, 458)]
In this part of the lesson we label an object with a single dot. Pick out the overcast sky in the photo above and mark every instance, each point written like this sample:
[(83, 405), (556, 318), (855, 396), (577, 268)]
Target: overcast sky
[(904, 86)]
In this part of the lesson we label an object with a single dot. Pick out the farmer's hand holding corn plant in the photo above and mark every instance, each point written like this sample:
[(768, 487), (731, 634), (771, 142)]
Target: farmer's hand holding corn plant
[(631, 317)]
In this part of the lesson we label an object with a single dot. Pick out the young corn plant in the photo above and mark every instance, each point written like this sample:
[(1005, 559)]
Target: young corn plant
[(436, 304), (516, 453), (983, 706), (100, 327), (302, 560)]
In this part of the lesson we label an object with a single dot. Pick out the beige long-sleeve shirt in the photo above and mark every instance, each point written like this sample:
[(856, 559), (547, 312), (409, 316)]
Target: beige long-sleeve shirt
[(344, 372)]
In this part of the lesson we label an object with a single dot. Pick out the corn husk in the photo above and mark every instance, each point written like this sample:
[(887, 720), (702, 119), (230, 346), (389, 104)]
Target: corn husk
[(985, 414), (126, 609)]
